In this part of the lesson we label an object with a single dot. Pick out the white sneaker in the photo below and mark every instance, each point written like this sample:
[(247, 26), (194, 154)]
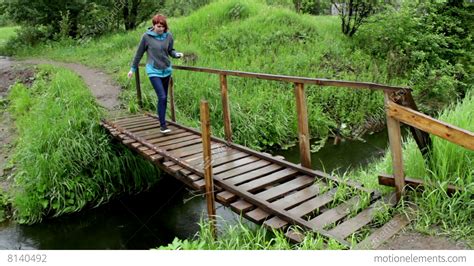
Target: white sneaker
[(165, 130)]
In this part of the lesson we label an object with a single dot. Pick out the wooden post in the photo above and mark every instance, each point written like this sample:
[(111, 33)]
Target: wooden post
[(209, 184), (171, 93), (395, 139), (303, 129), (139, 90), (225, 108)]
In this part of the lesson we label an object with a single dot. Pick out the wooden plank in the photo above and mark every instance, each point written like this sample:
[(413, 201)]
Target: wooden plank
[(258, 215), (237, 180), (148, 127), (138, 124), (186, 143), (225, 108), (335, 214), (313, 204), (353, 224), (157, 139), (413, 183), (382, 234), (226, 157), (131, 121), (282, 189), (395, 139), (154, 133), (234, 164), (241, 170), (241, 206), (459, 136), (294, 236), (175, 140), (303, 129), (226, 197), (268, 180), (297, 197), (190, 150), (275, 223)]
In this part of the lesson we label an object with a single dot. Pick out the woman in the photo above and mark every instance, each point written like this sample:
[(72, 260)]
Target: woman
[(158, 44)]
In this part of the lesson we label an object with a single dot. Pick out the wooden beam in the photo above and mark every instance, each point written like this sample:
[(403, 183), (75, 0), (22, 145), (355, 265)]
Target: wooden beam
[(139, 90), (412, 183), (303, 129), (428, 124), (171, 93), (395, 139), (225, 108), (209, 185)]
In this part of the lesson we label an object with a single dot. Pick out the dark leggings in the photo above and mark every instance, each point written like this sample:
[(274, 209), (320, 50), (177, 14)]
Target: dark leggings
[(161, 88)]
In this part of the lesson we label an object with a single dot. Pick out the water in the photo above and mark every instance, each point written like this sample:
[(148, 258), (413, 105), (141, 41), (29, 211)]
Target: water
[(156, 217), (347, 155)]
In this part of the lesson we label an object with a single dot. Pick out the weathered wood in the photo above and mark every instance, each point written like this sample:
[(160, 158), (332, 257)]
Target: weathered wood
[(293, 79), (280, 190), (234, 164), (335, 214), (241, 206), (422, 139), (171, 94), (459, 136), (186, 143), (139, 90), (206, 146), (225, 108), (313, 204), (241, 170), (226, 197), (413, 183), (292, 200), (395, 139), (285, 163), (257, 173), (171, 138), (382, 234), (275, 223), (267, 180), (350, 226), (303, 129)]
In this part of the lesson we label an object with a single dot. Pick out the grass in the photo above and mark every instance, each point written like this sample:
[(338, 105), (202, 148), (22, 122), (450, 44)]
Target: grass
[(64, 161), (7, 33), (248, 36)]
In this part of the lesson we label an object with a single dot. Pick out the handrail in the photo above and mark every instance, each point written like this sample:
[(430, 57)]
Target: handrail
[(296, 79), (433, 126)]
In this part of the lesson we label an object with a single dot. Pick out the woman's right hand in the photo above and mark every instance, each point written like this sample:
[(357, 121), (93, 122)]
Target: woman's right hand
[(130, 74)]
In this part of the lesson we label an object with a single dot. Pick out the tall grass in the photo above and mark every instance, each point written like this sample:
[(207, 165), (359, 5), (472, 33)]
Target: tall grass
[(242, 236), (64, 161), (5, 34), (248, 36)]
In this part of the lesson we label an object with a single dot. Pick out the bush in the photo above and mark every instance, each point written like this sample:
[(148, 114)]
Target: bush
[(430, 43)]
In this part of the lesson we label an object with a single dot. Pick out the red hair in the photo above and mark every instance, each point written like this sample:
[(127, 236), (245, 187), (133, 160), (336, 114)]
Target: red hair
[(160, 19)]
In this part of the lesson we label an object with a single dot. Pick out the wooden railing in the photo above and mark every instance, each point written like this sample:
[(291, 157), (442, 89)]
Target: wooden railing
[(395, 113)]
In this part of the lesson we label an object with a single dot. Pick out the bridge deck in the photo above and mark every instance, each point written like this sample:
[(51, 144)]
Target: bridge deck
[(264, 189)]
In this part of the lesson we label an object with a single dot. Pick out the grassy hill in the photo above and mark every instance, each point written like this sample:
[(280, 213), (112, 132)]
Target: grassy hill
[(248, 36)]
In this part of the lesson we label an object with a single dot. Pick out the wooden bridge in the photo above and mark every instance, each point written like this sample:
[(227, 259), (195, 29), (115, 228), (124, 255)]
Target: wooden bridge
[(271, 191)]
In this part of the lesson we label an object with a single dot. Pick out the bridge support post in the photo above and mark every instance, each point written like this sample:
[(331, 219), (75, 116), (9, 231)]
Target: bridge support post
[(395, 139), (139, 90), (209, 184), (171, 92), (303, 129), (225, 108)]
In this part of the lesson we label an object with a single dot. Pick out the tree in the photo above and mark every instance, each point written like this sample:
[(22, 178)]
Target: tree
[(353, 13)]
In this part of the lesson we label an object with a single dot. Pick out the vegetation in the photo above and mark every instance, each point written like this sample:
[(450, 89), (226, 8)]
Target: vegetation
[(63, 159), (430, 44), (6, 33)]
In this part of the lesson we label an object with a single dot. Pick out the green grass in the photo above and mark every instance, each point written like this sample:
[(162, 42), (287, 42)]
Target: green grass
[(7, 33), (64, 160), (248, 36)]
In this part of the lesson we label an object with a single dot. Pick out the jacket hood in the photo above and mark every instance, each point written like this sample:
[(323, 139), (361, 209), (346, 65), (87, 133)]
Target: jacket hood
[(154, 34)]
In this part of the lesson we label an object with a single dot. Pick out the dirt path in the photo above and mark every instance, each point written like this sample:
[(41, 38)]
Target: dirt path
[(104, 89)]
